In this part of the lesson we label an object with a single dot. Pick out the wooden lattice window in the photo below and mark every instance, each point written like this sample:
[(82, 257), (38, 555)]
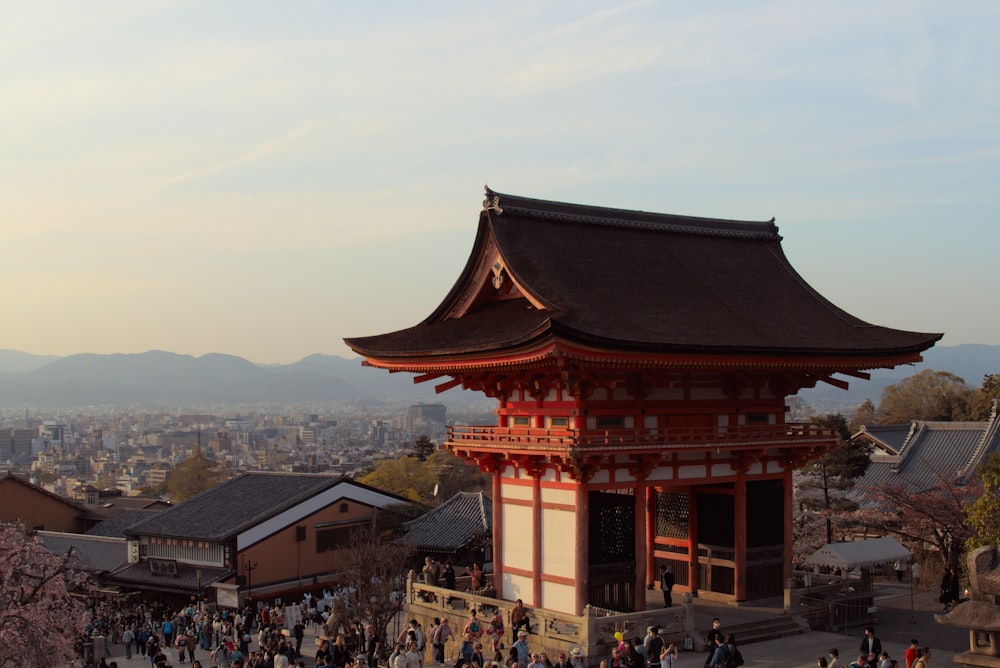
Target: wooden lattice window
[(672, 515)]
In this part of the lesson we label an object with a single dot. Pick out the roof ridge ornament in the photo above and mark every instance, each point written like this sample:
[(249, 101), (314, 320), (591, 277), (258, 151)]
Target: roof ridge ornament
[(497, 270), (492, 201)]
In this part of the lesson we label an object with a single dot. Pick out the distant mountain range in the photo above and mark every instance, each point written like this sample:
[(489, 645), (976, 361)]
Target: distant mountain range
[(163, 378), (969, 361)]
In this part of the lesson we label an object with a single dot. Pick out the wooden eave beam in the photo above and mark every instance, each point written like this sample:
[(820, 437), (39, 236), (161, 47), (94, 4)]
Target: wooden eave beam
[(551, 351)]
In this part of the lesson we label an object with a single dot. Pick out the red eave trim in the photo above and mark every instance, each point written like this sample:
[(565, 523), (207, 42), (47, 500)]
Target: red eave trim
[(560, 349)]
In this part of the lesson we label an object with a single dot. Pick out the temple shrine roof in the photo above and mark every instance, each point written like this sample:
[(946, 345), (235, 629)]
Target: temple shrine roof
[(544, 275)]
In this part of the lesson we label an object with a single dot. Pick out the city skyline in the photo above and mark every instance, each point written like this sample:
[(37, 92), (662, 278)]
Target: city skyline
[(214, 177)]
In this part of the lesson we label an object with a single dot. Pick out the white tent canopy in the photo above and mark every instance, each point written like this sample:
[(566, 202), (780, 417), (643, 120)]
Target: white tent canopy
[(859, 554)]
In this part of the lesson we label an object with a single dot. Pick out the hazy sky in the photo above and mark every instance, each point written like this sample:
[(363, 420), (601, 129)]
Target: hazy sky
[(266, 178)]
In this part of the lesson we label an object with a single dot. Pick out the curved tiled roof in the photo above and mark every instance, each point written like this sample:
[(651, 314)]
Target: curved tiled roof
[(890, 437), (188, 577), (632, 280), (238, 504), (931, 452), (98, 554), (454, 524)]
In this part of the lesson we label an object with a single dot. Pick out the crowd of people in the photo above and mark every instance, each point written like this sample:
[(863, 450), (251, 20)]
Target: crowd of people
[(257, 636), (871, 655)]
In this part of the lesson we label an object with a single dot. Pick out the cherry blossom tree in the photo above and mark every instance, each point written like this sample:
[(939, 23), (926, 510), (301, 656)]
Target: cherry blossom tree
[(933, 518), (377, 569), (42, 602)]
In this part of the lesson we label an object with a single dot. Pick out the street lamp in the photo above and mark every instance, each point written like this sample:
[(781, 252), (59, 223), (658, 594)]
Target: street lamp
[(249, 567)]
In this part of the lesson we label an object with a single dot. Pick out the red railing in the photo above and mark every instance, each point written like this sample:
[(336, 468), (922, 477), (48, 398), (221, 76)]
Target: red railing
[(524, 437)]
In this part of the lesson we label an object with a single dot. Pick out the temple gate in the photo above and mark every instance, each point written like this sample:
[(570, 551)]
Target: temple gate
[(640, 363)]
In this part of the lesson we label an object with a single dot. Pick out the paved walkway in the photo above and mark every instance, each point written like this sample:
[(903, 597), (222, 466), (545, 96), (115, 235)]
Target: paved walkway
[(898, 622)]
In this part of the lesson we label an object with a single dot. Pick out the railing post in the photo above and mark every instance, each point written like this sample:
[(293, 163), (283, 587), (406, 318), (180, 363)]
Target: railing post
[(590, 630), (687, 602), (790, 602)]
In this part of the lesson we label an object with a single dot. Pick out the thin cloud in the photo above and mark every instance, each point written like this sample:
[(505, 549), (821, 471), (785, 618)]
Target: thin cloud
[(257, 153)]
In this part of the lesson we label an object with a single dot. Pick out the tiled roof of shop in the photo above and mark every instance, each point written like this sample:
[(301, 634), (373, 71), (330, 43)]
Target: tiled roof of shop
[(454, 524)]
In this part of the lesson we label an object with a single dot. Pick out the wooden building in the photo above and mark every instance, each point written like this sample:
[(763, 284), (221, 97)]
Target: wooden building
[(39, 509), (640, 364), (253, 535)]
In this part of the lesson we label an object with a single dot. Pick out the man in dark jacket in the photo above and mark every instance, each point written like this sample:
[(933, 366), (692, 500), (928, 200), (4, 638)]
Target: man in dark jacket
[(870, 644)]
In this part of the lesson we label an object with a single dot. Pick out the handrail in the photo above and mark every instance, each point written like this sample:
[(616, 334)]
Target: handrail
[(737, 435)]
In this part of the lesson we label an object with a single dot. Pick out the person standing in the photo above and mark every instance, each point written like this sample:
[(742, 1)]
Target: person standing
[(870, 644), (521, 647), (474, 626), (720, 655), (495, 632), (300, 634), (431, 571), (654, 647), (910, 655), (953, 587), (442, 634), (128, 637), (923, 659), (667, 585), (413, 656), (834, 658), (562, 661), (448, 575), (669, 656), (900, 567), (475, 576), (915, 572), (713, 639)]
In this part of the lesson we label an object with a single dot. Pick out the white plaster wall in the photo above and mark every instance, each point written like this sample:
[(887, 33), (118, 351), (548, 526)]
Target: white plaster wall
[(620, 394), (520, 492), (691, 471), (554, 495), (755, 469), (707, 393), (721, 470), (662, 473), (667, 394), (559, 597), (517, 536), (622, 475), (600, 477), (559, 542), (774, 467), (518, 587)]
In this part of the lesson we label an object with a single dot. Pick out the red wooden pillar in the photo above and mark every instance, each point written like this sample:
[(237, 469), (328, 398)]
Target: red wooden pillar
[(693, 580), (786, 572), (740, 537), (498, 534), (582, 547), (536, 538), (641, 546), (650, 534)]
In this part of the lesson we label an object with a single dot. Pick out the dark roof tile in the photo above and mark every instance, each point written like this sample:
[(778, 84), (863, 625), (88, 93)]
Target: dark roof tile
[(454, 524), (638, 281)]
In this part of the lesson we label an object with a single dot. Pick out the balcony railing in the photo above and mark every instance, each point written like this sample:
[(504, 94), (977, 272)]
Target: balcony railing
[(736, 436)]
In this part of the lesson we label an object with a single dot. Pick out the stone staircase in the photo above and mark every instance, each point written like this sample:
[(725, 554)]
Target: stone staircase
[(762, 629)]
